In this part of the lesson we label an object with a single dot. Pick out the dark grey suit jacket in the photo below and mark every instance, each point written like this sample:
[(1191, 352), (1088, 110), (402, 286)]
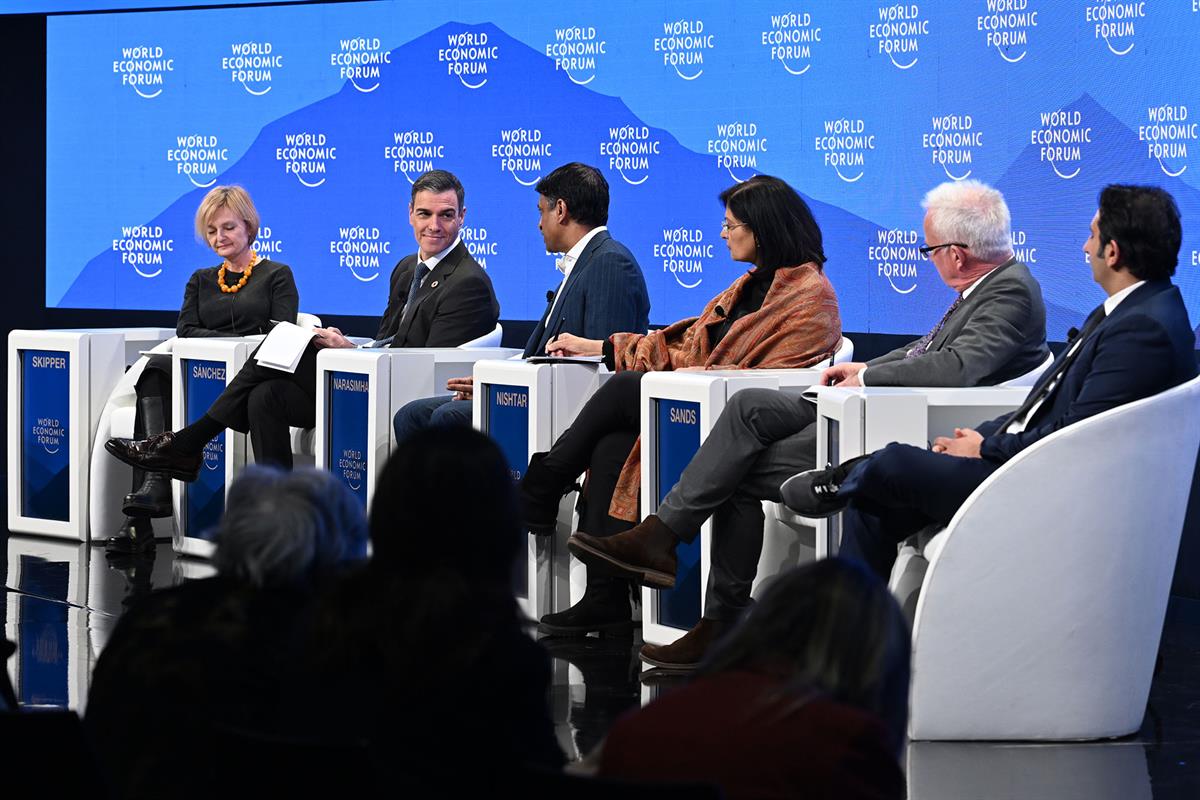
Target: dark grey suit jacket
[(998, 333), (455, 304)]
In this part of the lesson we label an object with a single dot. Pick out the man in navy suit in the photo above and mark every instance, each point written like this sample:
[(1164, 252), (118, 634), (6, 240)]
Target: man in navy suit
[(602, 291), (1137, 343)]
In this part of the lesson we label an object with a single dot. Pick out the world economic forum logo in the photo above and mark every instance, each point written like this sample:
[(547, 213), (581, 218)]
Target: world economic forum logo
[(253, 65), (684, 253), (144, 69), (789, 40), (1115, 23), (413, 153), (951, 142), (844, 145), (898, 33), (360, 60), (1005, 25), (1060, 140), (520, 152), (576, 52), (737, 146), (142, 247), (629, 149), (360, 249), (683, 45), (199, 157), (1167, 131), (306, 155), (467, 55), (895, 254)]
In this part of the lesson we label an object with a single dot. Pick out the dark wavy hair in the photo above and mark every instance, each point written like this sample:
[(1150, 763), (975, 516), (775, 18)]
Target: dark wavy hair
[(1144, 222), (831, 627), (785, 232)]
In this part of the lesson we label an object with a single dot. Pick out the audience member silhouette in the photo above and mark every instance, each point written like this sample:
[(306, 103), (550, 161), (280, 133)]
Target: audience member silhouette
[(187, 664), (424, 651), (807, 697)]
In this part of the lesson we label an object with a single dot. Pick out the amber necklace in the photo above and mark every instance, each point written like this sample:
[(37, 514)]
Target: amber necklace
[(237, 287)]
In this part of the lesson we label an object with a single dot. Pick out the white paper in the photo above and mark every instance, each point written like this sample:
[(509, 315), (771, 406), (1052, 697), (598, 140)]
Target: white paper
[(284, 346)]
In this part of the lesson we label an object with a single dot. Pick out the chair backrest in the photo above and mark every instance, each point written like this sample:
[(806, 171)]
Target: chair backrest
[(304, 320), (491, 339), (1031, 377), (845, 351), (1041, 613)]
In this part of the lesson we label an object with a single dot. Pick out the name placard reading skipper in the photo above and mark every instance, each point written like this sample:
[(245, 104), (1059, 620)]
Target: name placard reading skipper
[(204, 498), (45, 434), (678, 439), (347, 397)]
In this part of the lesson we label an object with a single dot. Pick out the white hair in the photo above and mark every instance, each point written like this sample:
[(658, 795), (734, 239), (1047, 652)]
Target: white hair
[(974, 214), (287, 527)]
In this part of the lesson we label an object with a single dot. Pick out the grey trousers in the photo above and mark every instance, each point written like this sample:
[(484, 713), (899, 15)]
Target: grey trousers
[(762, 438)]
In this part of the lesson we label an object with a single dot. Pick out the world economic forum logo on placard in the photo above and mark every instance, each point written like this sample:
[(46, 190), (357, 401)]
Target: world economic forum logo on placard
[(1166, 133), (360, 60), (951, 141), (307, 156), (413, 152), (683, 45), (1115, 23), (737, 147), (199, 157), (895, 254), (844, 145), (142, 247), (520, 152), (899, 32), (467, 55), (144, 69), (789, 40), (1005, 25), (629, 149), (253, 65), (576, 52), (362, 250), (1060, 140)]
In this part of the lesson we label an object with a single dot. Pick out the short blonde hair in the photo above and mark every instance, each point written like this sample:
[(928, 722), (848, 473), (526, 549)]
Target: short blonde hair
[(237, 200)]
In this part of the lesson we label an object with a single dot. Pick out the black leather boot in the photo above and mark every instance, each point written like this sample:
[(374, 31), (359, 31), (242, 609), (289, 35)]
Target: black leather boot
[(540, 492), (152, 497), (135, 536), (604, 608)]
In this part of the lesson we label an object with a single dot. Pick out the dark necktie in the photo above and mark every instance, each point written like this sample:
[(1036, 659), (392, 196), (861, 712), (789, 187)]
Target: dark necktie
[(922, 345), (418, 275), (1049, 382)]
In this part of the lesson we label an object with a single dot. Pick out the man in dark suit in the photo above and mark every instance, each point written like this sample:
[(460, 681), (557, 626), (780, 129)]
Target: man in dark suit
[(994, 331), (602, 291), (438, 297), (1137, 343)]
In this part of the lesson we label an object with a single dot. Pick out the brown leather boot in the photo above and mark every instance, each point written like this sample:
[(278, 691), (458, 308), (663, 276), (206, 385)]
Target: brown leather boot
[(686, 652), (644, 553)]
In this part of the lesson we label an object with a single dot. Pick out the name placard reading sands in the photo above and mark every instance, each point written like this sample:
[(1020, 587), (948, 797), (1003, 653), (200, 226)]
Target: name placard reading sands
[(348, 393), (45, 434), (204, 498), (678, 433)]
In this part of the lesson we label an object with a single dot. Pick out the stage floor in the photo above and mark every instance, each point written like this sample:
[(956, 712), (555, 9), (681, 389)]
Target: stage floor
[(61, 620)]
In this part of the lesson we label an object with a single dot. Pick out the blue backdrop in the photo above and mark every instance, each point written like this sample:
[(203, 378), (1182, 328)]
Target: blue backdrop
[(326, 113)]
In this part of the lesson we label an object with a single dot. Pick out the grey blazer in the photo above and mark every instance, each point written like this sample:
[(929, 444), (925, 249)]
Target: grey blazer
[(995, 335)]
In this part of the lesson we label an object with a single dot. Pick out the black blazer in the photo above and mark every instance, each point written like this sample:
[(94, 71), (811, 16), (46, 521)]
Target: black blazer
[(454, 305), (1144, 347)]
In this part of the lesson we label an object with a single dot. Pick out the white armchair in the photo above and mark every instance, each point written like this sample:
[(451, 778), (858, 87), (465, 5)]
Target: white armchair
[(1041, 609)]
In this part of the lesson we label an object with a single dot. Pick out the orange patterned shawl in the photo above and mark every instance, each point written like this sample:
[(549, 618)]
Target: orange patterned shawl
[(797, 326)]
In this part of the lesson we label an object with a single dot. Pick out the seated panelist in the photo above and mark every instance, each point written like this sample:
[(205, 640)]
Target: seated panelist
[(1137, 343), (238, 298), (602, 289), (782, 313), (439, 297), (994, 331)]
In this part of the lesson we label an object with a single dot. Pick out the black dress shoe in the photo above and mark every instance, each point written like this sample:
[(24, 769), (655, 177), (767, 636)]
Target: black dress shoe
[(135, 536), (605, 609), (151, 499), (815, 492), (157, 454)]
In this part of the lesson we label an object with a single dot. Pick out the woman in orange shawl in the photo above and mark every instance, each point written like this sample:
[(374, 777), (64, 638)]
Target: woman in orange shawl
[(781, 314)]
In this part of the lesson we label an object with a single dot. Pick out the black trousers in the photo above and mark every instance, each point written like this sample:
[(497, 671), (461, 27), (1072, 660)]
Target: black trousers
[(265, 402), (600, 440)]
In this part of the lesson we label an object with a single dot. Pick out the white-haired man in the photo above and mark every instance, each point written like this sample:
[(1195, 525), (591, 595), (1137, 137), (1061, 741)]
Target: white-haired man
[(994, 331)]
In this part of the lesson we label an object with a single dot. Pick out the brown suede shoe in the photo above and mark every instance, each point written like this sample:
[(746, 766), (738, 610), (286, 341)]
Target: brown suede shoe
[(644, 553), (156, 454), (686, 652)]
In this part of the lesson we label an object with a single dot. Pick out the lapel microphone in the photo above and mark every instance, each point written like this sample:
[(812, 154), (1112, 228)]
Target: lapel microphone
[(1072, 334)]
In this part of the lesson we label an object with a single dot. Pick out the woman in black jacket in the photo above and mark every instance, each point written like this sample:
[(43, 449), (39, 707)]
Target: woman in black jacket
[(238, 297)]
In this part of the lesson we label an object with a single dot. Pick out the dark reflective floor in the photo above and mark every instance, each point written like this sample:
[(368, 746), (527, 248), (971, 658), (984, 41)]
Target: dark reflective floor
[(62, 600)]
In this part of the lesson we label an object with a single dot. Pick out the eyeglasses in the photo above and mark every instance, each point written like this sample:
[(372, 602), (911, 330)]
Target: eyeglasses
[(929, 248), (726, 227)]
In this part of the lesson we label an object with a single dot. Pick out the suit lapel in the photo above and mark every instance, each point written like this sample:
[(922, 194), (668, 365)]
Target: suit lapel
[(433, 284), (958, 319), (548, 327)]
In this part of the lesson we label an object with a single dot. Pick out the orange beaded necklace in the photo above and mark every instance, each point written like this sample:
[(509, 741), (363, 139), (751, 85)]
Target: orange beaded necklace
[(237, 287)]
